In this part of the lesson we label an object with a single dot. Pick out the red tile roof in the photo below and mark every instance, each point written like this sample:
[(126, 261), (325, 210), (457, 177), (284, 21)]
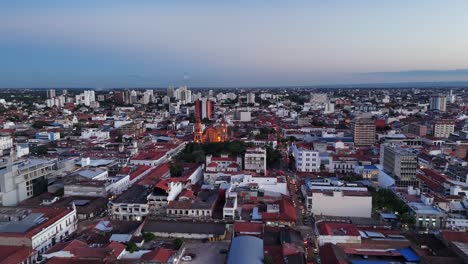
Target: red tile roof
[(248, 227), (139, 170), (160, 255), (213, 165), (454, 236), (187, 193), (337, 229), (287, 212), (116, 248), (154, 176), (15, 254), (52, 214)]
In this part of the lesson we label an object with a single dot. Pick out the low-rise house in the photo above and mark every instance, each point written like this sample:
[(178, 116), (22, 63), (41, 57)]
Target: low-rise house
[(37, 228), (131, 205)]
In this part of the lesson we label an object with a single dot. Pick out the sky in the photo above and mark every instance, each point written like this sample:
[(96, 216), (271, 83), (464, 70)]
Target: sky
[(152, 43)]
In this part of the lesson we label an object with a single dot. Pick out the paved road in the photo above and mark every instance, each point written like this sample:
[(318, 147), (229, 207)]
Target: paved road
[(207, 253)]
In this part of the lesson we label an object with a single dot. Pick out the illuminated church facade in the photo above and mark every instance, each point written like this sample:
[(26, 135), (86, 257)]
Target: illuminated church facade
[(215, 133)]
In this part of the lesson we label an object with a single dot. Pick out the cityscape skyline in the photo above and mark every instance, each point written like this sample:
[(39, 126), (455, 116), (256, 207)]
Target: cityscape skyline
[(88, 44)]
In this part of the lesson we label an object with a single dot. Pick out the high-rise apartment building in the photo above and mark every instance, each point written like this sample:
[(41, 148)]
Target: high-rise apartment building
[(203, 109), (255, 160), (438, 102), (319, 98), (400, 163), (50, 93), (251, 98), (170, 92), (306, 158), (417, 129), (363, 130), (86, 98), (443, 128)]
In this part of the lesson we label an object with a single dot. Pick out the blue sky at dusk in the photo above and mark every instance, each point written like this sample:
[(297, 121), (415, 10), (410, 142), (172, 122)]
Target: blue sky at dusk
[(230, 43)]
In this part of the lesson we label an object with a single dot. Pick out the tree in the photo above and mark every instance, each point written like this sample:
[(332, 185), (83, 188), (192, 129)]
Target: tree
[(176, 170), (40, 150), (206, 120), (132, 247), (148, 236), (273, 157), (177, 243), (39, 124), (408, 219), (268, 259)]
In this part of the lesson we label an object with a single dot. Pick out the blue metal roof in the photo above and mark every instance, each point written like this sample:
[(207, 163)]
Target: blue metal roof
[(409, 254), (246, 250), (365, 261)]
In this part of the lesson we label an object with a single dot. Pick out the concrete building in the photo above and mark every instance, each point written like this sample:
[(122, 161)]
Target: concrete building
[(255, 160), (344, 200), (329, 108), (363, 130), (48, 136), (400, 163), (149, 158), (37, 228), (443, 128), (86, 98), (131, 205), (426, 214), (250, 98), (96, 134), (243, 116), (96, 188), (17, 179), (417, 129), (50, 93), (306, 158), (6, 143), (335, 233), (203, 108), (318, 98), (438, 102), (222, 163), (187, 229)]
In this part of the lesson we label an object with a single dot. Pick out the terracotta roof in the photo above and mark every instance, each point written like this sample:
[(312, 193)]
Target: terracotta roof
[(212, 165), (248, 227), (160, 255), (52, 214), (154, 176), (287, 212), (337, 229), (454, 236), (187, 193), (139, 170), (15, 254), (116, 248)]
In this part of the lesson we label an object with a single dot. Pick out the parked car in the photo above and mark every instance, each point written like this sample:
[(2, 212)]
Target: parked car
[(187, 258)]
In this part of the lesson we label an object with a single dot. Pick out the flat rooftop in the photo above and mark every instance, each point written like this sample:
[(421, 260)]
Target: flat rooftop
[(184, 227), (137, 194)]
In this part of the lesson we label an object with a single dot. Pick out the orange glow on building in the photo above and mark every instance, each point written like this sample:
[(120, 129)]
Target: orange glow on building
[(216, 133)]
